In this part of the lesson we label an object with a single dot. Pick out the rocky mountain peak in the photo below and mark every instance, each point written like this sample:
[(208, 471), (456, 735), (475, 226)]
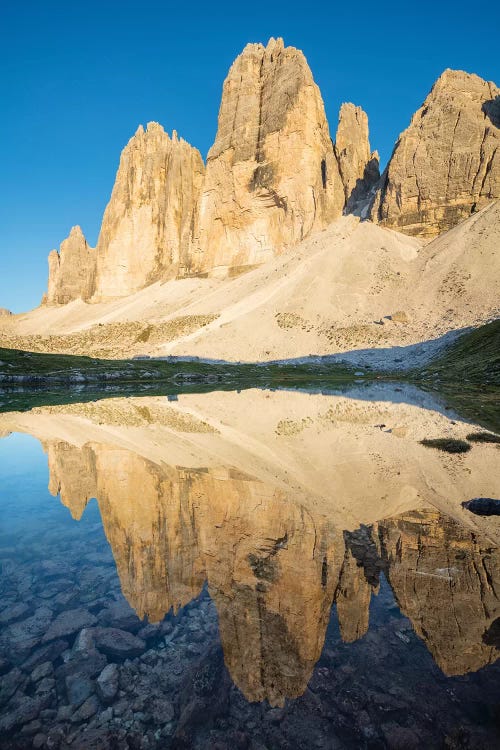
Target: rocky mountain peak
[(359, 166), (146, 229), (71, 269), (446, 164), (272, 176)]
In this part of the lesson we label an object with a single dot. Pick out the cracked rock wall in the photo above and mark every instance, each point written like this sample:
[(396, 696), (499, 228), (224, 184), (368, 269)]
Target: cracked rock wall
[(446, 164), (272, 176)]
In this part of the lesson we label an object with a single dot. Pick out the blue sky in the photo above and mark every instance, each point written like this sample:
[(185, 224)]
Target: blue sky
[(78, 77)]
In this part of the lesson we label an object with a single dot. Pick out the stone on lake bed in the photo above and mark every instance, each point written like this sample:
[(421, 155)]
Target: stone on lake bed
[(13, 612), (120, 615), (49, 652), (118, 643), (25, 634), (107, 683), (78, 689), (69, 622), (87, 709), (11, 682), (42, 670), (84, 664), (25, 710), (161, 710)]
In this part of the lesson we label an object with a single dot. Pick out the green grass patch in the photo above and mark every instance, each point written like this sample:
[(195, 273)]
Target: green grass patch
[(483, 437), (472, 358), (449, 445)]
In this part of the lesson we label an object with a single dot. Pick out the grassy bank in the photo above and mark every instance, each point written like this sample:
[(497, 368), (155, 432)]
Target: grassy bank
[(473, 358)]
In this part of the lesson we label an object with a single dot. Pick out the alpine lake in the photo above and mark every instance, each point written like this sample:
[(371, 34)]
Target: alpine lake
[(262, 569)]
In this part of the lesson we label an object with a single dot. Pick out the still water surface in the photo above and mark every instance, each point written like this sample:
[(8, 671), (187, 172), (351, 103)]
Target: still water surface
[(255, 570)]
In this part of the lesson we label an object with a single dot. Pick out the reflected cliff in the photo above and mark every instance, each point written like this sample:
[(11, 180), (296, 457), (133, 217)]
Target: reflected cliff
[(285, 508)]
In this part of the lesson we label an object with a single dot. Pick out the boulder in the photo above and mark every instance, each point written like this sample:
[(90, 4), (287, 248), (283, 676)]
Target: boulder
[(107, 683), (118, 643), (69, 622)]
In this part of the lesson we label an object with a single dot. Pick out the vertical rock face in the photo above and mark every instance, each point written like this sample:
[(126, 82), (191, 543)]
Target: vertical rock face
[(272, 176), (70, 270), (445, 579), (359, 167), (446, 164), (147, 226)]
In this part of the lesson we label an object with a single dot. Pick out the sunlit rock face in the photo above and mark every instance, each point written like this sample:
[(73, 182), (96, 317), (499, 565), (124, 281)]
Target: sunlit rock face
[(446, 164), (271, 176), (147, 226), (272, 570), (447, 582), (73, 475), (358, 165), (71, 270)]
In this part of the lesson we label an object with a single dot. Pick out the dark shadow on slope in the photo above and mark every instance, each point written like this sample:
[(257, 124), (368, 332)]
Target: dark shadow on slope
[(361, 194)]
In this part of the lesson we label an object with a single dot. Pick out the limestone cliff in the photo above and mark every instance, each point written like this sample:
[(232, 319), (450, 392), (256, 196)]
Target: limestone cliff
[(147, 226), (445, 579), (446, 164), (359, 167), (272, 176), (71, 270)]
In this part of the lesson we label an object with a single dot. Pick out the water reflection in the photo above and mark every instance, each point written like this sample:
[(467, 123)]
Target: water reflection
[(285, 504)]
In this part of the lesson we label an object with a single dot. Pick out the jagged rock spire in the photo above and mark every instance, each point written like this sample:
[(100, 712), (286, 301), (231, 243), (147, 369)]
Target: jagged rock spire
[(146, 229), (272, 176), (70, 270), (358, 165)]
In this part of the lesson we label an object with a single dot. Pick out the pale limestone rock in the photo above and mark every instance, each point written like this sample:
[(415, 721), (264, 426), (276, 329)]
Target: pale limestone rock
[(446, 164), (4, 311), (436, 567), (359, 167), (272, 176), (70, 270), (146, 229)]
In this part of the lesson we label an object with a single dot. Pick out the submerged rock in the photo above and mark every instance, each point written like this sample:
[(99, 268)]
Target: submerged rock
[(118, 643), (78, 689), (107, 683), (69, 622)]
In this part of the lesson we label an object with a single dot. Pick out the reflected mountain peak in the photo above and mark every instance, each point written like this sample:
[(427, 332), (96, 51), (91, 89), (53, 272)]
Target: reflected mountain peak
[(284, 510)]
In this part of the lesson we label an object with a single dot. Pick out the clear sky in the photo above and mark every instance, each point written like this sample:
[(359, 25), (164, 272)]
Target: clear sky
[(78, 77)]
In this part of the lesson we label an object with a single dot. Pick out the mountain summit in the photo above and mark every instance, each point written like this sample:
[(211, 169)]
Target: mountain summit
[(273, 176)]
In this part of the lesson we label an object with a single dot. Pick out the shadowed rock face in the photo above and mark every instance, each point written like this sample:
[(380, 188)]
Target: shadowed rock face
[(359, 167), (272, 176), (147, 226), (71, 270), (446, 164)]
